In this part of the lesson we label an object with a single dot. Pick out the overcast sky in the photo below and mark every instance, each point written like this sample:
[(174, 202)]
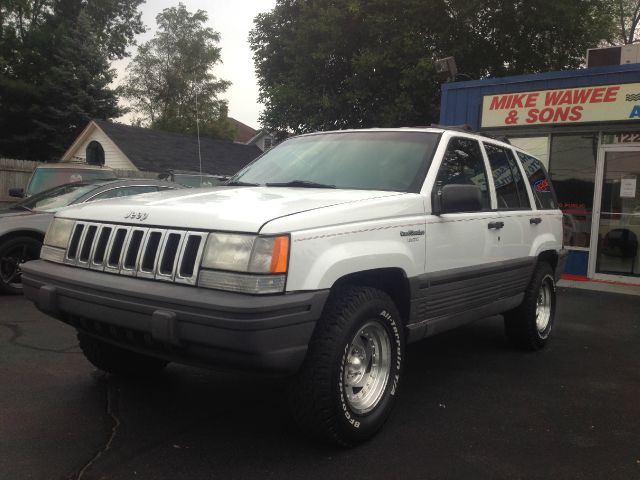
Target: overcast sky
[(233, 20)]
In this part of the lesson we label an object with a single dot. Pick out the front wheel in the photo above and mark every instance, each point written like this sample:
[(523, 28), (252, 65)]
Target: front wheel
[(529, 325), (13, 253), (349, 381)]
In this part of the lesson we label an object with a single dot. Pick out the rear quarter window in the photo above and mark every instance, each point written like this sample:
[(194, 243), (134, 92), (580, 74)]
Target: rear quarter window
[(540, 183)]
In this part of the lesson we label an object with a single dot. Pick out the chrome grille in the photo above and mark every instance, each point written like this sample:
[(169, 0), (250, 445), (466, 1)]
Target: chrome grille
[(153, 253)]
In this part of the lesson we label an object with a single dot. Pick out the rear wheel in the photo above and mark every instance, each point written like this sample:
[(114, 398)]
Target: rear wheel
[(348, 384), (13, 253), (116, 360), (529, 325)]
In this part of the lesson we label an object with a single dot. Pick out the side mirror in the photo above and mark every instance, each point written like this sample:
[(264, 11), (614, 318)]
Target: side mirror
[(456, 199), (16, 192)]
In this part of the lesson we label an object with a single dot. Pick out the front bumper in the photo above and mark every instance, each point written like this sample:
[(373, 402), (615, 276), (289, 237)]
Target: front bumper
[(176, 322)]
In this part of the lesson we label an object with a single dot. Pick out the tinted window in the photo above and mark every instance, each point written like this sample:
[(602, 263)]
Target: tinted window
[(539, 181), (395, 161), (510, 189), (462, 164), (124, 192)]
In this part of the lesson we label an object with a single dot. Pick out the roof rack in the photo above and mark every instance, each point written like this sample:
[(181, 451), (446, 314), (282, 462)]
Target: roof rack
[(468, 129)]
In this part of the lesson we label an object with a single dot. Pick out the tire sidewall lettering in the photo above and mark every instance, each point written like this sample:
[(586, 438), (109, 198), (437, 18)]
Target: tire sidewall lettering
[(389, 322)]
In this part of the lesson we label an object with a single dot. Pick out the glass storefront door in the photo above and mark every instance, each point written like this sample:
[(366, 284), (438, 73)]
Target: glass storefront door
[(617, 222)]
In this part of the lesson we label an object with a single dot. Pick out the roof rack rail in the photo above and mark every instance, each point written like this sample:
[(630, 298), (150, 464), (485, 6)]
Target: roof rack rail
[(500, 138), (468, 129), (459, 128)]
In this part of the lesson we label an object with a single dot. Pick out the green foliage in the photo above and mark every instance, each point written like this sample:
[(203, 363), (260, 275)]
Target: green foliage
[(54, 70), (331, 64), (172, 72)]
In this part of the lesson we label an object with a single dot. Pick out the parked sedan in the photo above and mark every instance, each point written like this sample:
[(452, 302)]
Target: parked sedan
[(23, 225)]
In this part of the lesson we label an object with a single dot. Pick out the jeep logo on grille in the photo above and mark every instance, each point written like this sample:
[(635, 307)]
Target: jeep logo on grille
[(141, 216)]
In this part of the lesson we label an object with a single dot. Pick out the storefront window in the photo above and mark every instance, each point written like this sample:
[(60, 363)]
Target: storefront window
[(536, 146), (573, 170)]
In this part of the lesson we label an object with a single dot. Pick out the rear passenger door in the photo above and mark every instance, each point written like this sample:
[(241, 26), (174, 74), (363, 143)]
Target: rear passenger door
[(514, 231)]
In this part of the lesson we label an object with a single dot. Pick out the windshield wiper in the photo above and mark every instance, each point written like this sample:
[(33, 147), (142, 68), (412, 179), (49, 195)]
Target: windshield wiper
[(242, 184), (300, 183)]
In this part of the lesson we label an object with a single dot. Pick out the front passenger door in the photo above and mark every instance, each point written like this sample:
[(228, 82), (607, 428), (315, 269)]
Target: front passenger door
[(459, 259)]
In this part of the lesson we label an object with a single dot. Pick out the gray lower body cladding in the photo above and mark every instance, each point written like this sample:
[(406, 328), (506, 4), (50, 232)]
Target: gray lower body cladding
[(444, 300), (176, 322)]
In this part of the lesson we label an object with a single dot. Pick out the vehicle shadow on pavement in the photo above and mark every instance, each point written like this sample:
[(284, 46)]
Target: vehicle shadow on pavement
[(237, 425), (470, 406)]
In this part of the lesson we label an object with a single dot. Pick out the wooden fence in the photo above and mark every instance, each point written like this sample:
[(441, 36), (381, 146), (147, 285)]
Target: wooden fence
[(16, 173)]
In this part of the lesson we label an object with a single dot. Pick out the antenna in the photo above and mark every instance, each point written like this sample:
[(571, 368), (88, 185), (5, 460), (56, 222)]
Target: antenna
[(198, 130)]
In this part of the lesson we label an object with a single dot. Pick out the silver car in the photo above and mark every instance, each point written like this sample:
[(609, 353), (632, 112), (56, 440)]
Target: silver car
[(23, 225)]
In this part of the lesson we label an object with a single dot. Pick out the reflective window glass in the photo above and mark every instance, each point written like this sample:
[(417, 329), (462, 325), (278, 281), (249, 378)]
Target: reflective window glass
[(539, 181), (510, 189), (462, 164), (573, 171)]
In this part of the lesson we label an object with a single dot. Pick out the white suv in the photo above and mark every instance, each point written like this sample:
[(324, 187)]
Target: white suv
[(321, 259)]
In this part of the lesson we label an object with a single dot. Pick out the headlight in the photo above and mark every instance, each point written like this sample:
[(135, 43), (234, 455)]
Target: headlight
[(59, 232), (261, 263), (246, 253)]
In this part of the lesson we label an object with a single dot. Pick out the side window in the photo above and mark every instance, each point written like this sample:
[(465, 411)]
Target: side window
[(125, 192), (463, 165), (539, 181), (510, 190)]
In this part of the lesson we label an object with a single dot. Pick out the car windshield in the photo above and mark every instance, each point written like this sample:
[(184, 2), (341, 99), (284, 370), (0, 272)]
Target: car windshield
[(55, 198), (44, 178), (392, 161)]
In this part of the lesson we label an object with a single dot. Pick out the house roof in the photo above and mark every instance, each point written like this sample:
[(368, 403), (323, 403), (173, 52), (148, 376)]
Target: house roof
[(244, 133), (158, 151), (257, 136)]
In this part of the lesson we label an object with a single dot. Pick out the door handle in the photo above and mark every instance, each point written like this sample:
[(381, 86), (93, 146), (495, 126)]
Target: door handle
[(535, 221), (496, 225)]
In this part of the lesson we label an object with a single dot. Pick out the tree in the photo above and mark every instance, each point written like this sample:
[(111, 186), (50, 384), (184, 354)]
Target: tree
[(628, 16), (54, 70), (170, 83), (326, 64)]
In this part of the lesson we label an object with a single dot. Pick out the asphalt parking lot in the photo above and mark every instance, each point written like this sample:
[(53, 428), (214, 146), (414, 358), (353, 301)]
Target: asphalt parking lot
[(471, 408)]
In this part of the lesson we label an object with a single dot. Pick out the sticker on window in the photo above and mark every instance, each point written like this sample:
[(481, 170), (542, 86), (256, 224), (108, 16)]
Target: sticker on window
[(542, 186)]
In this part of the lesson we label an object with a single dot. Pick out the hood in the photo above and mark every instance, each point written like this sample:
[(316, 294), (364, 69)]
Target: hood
[(238, 209)]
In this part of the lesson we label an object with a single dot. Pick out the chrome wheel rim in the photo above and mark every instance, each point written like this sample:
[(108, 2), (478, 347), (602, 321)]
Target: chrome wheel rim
[(543, 306), (367, 366)]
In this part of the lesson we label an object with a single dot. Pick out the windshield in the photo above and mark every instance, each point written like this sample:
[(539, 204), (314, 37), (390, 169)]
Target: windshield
[(395, 161), (45, 178), (55, 198)]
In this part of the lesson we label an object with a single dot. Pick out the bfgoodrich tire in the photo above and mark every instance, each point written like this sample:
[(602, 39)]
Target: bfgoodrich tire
[(529, 325), (112, 359), (349, 381)]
